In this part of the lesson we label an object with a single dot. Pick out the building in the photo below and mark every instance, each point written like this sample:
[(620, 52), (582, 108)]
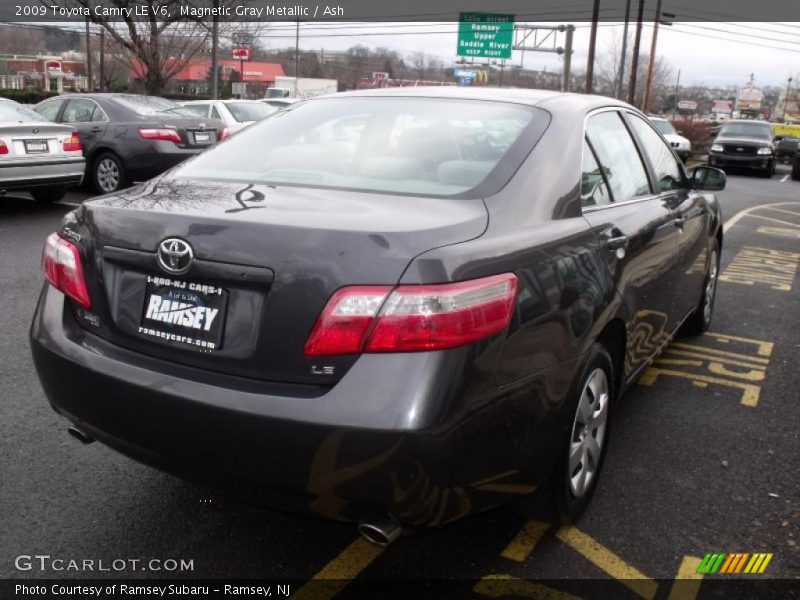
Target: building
[(194, 78), (45, 73)]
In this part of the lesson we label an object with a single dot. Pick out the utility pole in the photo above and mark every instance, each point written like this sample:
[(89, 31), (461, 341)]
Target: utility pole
[(88, 58), (786, 99), (635, 58), (620, 83), (651, 66), (102, 60), (296, 52), (214, 49), (677, 87), (592, 44), (566, 77)]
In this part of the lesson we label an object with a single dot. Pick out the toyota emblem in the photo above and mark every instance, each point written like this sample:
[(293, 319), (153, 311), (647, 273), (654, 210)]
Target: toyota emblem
[(175, 256)]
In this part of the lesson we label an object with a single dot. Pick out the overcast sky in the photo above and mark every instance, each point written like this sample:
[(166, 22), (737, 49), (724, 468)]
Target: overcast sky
[(689, 47)]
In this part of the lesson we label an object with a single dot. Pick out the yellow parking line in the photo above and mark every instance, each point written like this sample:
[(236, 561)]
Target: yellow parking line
[(525, 542), (335, 576), (687, 582), (609, 562), (502, 586)]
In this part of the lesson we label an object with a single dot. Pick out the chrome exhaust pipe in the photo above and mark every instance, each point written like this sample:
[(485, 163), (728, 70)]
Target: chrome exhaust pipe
[(380, 532), (82, 437)]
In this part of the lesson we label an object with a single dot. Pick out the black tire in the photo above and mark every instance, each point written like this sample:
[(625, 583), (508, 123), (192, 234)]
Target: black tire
[(49, 194), (769, 171), (796, 169), (108, 174), (570, 505), (700, 320)]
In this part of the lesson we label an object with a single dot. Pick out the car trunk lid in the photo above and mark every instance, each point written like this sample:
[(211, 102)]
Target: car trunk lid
[(265, 258)]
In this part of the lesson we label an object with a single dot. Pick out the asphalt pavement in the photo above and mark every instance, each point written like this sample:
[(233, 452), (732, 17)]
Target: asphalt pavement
[(704, 457)]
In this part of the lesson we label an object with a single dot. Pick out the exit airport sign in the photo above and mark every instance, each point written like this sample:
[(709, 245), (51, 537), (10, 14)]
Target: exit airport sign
[(485, 35)]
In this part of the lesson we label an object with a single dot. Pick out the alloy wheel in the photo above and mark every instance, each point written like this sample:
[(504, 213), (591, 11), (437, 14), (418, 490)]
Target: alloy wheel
[(108, 175), (588, 433)]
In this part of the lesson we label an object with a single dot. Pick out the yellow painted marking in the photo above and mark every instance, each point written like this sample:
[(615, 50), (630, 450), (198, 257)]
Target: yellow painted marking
[(764, 348), (746, 212), (729, 361), (764, 564), (753, 265), (783, 210), (755, 560), (741, 562), (779, 231), (609, 562), (525, 541), (335, 576), (687, 582), (750, 392), (708, 350), (502, 586)]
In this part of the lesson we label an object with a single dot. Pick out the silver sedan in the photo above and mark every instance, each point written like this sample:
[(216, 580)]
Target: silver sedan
[(37, 156)]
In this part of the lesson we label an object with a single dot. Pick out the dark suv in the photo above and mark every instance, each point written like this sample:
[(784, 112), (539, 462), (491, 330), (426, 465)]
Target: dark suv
[(744, 144)]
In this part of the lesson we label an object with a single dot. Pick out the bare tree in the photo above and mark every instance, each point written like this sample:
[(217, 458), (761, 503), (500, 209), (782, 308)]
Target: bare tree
[(158, 46), (608, 64)]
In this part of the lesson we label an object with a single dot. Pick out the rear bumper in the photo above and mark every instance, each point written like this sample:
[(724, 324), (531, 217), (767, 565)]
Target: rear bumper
[(415, 435), (41, 174), (159, 157), (745, 162)]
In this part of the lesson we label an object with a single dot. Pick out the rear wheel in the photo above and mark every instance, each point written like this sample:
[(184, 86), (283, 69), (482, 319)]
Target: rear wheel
[(583, 448), (109, 174), (700, 320), (49, 194)]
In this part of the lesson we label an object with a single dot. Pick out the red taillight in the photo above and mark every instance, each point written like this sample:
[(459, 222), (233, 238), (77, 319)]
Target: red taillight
[(61, 263), (225, 134), (413, 317), (166, 135), (3, 148), (73, 144)]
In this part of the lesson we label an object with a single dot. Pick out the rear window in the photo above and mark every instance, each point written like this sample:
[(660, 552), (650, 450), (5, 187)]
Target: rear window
[(244, 112), (420, 146), (11, 112), (149, 105)]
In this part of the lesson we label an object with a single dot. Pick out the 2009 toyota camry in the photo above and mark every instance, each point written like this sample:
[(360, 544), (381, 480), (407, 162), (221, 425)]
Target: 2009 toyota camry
[(395, 307)]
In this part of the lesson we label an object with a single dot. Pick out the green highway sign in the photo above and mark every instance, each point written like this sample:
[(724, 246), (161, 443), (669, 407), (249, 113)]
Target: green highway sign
[(485, 35)]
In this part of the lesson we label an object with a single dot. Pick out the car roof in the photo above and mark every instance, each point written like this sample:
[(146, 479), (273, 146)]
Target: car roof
[(759, 122), (530, 97)]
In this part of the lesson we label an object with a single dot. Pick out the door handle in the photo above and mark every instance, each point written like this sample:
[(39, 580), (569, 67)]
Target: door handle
[(95, 129), (679, 221), (615, 243)]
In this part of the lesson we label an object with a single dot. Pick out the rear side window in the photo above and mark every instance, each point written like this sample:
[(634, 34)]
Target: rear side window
[(618, 156), (421, 146), (665, 165), (49, 110), (80, 110), (594, 191)]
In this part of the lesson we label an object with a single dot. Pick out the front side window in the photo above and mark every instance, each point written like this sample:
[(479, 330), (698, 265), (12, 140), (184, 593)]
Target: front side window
[(665, 165), (422, 146), (618, 156)]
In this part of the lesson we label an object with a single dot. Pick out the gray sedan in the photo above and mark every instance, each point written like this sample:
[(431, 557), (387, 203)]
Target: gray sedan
[(37, 156)]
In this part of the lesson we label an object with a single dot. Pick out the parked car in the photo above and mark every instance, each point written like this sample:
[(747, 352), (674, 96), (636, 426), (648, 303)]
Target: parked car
[(786, 149), (374, 326), (234, 113), (744, 144), (130, 137), (37, 156), (280, 103), (682, 146)]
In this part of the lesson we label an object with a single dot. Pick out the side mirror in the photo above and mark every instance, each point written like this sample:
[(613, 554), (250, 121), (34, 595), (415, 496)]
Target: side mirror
[(709, 179)]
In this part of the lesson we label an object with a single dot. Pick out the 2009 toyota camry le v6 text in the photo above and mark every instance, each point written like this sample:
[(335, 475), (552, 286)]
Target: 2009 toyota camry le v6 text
[(395, 307)]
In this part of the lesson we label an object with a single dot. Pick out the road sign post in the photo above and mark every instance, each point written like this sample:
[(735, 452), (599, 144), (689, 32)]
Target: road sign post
[(485, 35)]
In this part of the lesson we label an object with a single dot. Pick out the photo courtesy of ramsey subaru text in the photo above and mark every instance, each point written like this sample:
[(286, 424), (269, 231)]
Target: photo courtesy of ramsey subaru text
[(445, 285)]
